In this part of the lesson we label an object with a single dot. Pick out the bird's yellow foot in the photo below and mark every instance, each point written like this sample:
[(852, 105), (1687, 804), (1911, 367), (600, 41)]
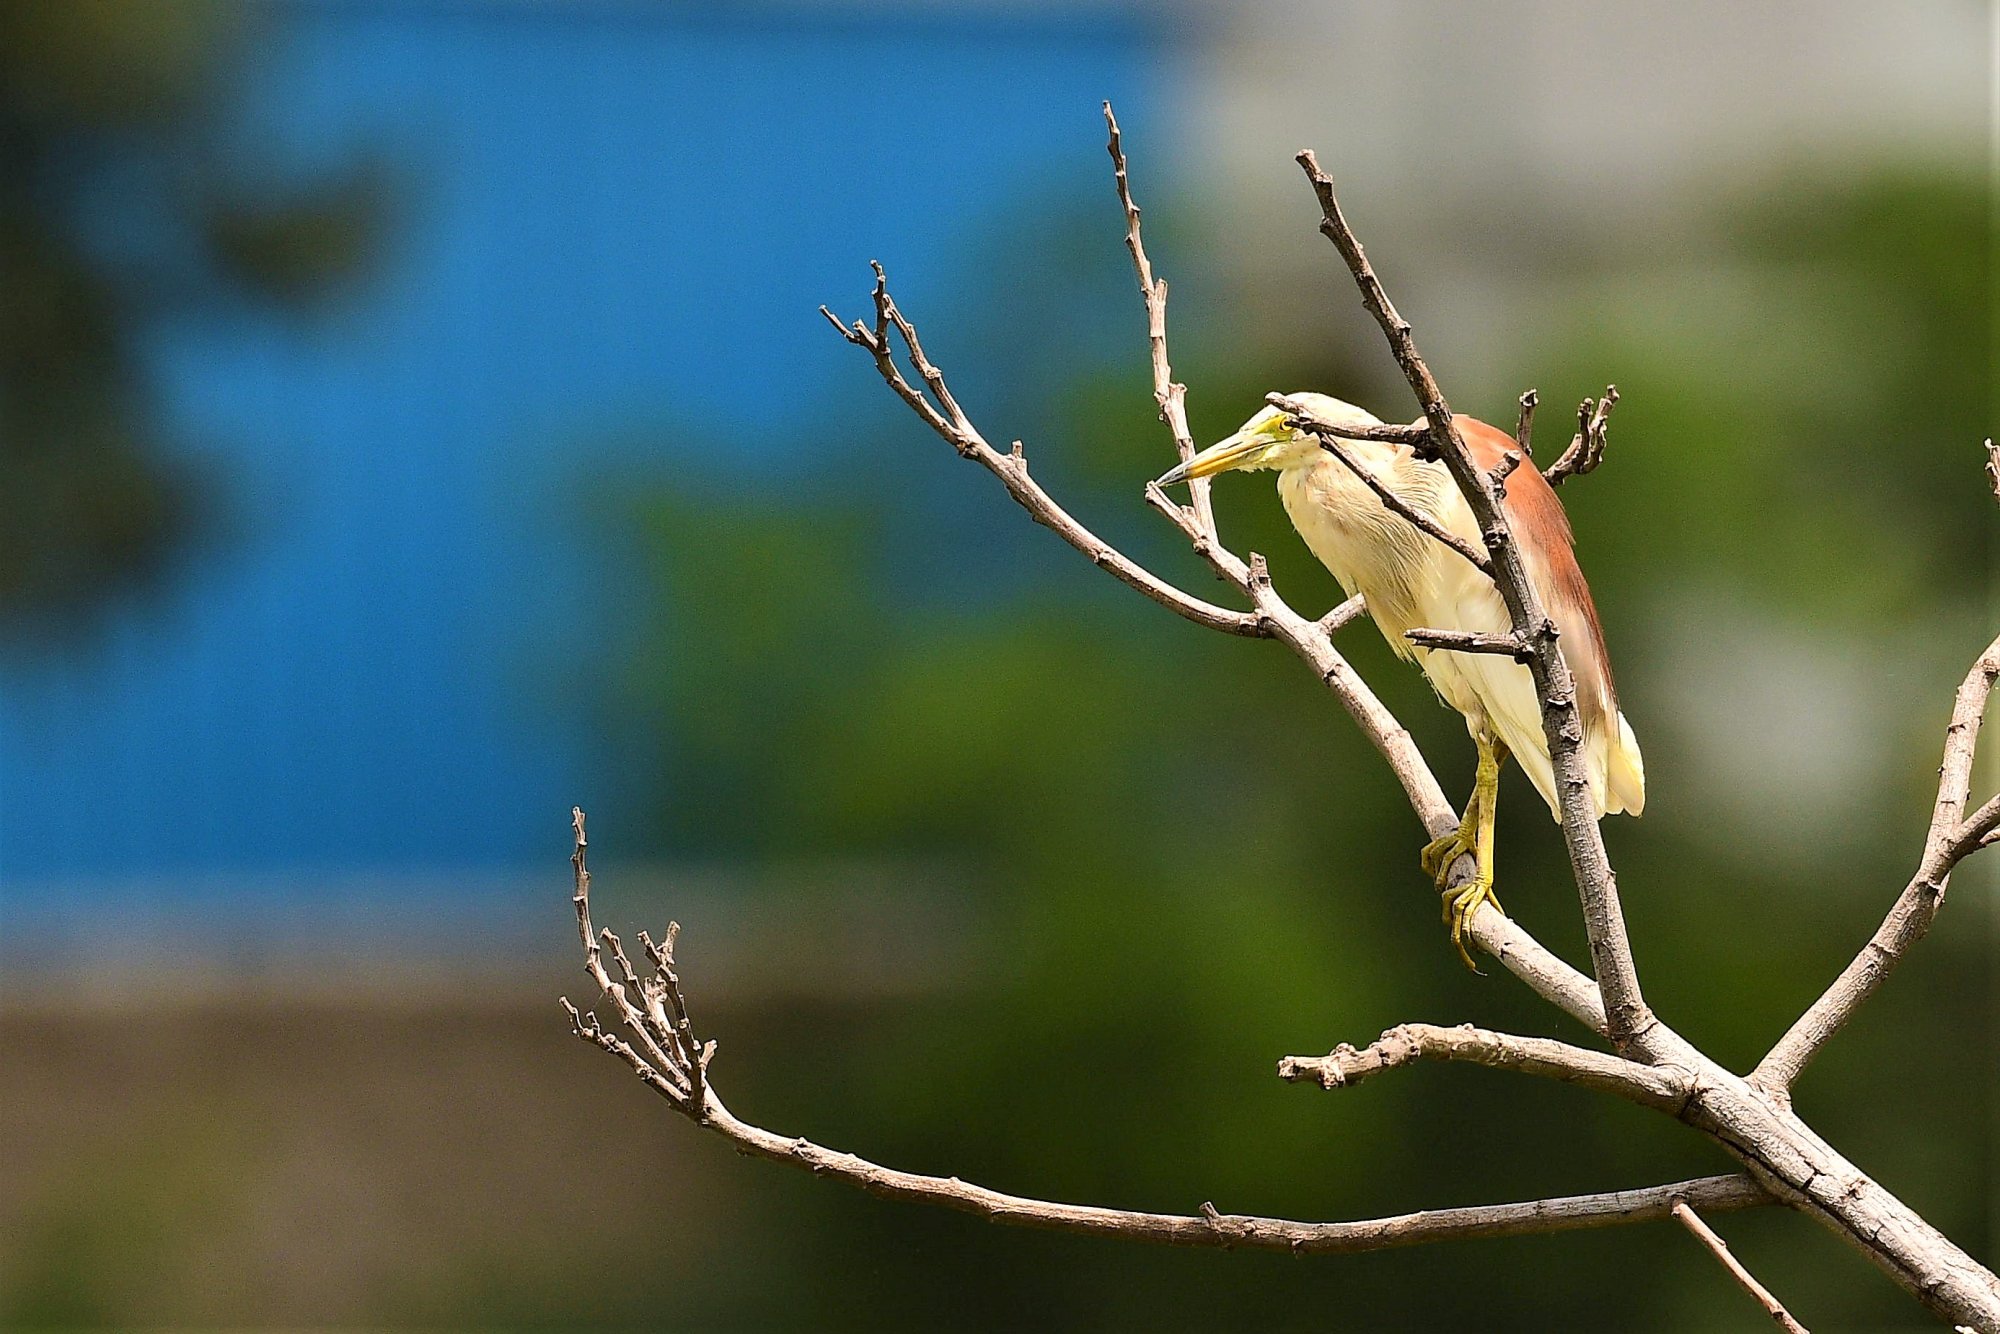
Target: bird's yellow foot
[(1460, 904), (1439, 854)]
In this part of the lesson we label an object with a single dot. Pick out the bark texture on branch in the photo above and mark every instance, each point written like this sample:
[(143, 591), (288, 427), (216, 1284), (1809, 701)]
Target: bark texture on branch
[(1649, 1086)]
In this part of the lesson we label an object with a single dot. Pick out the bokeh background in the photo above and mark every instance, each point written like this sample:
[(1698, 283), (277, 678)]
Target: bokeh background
[(415, 420)]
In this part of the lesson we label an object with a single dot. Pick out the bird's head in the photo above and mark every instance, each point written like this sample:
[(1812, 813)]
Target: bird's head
[(1269, 440)]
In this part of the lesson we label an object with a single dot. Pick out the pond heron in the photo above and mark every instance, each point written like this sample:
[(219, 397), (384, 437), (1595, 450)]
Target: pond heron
[(1411, 581)]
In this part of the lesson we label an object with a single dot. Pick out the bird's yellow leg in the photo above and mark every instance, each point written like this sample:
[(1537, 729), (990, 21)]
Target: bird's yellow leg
[(1474, 835), (1439, 854)]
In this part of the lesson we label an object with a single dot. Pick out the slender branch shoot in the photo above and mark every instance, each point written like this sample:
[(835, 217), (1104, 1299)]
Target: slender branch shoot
[(1586, 448), (1719, 1248)]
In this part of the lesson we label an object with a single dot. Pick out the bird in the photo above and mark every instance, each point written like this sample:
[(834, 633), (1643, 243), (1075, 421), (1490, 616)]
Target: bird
[(1408, 579)]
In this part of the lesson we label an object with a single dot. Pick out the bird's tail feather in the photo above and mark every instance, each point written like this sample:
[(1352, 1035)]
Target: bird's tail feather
[(1625, 773)]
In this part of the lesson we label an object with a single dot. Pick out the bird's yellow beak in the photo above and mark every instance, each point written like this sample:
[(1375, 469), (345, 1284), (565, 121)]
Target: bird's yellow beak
[(1238, 451)]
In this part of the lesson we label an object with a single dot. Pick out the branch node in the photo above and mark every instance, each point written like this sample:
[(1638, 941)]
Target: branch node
[(1586, 448)]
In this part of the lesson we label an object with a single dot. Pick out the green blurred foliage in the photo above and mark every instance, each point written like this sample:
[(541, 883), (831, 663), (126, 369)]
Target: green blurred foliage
[(121, 206), (1184, 862)]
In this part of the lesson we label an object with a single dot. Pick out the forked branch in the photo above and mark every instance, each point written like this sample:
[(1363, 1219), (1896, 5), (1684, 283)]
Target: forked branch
[(678, 1072), (950, 421), (1586, 448)]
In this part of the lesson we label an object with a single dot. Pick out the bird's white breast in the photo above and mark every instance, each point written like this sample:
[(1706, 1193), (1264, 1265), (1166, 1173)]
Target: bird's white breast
[(1412, 581)]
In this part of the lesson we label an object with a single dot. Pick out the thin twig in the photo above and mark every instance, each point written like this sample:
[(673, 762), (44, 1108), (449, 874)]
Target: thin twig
[(1212, 1228), (1979, 829), (1386, 433), (619, 993), (1330, 439), (1464, 641), (1012, 469), (1167, 392), (1649, 1086), (1524, 423), (1343, 615), (1706, 1235)]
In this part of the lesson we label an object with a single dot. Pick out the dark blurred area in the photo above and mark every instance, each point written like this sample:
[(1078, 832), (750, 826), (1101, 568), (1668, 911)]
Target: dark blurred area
[(119, 212), (419, 420)]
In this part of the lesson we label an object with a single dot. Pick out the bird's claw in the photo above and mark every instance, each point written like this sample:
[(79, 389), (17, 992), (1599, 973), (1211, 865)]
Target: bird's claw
[(1460, 904), (1440, 853), (1437, 859)]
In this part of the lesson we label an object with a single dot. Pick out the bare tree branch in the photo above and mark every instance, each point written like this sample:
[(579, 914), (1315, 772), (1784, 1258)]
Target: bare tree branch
[(1719, 1248), (685, 1086), (1489, 930), (1012, 468), (1167, 392), (1604, 922), (1464, 641), (1949, 839), (1388, 433), (1980, 828), (1649, 1086), (1343, 615), (1586, 448), (1330, 440), (1493, 932)]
